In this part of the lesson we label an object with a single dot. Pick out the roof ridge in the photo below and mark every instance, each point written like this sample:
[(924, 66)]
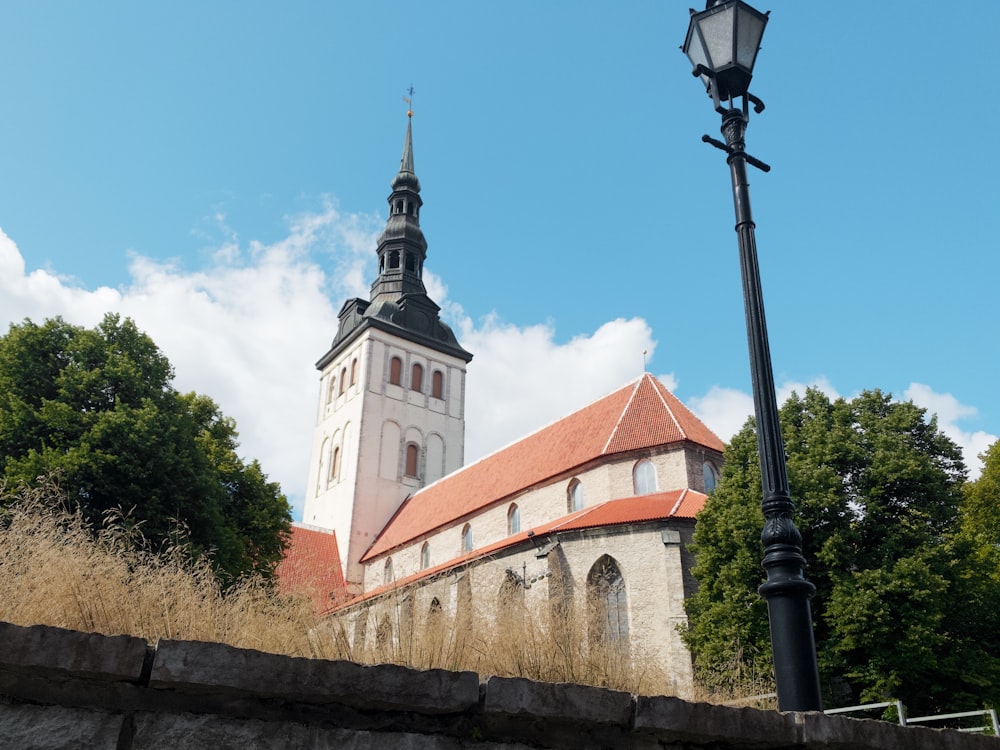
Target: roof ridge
[(631, 399), (677, 423), (680, 500)]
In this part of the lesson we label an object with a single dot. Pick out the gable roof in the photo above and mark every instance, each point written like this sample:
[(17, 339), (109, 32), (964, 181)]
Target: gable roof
[(639, 509), (311, 566), (642, 414)]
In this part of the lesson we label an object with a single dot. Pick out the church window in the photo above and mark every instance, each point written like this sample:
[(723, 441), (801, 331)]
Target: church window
[(425, 556), (513, 519), (411, 263), (343, 380), (335, 465), (330, 389), (437, 384), (417, 377), (711, 478), (412, 453), (644, 477), (354, 371), (387, 576), (574, 496), (394, 259), (396, 371), (467, 544), (607, 602)]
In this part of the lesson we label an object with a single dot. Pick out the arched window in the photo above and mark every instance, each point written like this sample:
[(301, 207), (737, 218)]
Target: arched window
[(644, 477), (330, 389), (411, 263), (467, 544), (396, 371), (387, 576), (711, 478), (412, 453), (335, 465), (437, 384), (513, 519), (354, 371), (574, 496), (425, 556), (607, 602), (343, 381), (417, 377), (394, 259)]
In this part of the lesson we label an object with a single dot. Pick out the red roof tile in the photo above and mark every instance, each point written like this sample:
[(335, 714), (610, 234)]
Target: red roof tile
[(311, 566), (643, 414), (642, 508)]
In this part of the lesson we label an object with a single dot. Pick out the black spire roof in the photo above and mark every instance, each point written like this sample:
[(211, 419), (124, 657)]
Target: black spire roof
[(399, 301)]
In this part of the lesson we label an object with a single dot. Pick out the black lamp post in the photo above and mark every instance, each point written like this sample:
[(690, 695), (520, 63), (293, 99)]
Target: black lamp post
[(722, 44)]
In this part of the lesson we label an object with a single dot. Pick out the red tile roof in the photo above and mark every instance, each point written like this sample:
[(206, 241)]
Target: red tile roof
[(311, 566), (642, 508), (643, 414)]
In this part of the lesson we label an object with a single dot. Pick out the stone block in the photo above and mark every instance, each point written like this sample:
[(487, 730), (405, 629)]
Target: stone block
[(40, 648), (199, 731), (28, 727), (516, 696), (191, 666), (820, 732), (676, 720)]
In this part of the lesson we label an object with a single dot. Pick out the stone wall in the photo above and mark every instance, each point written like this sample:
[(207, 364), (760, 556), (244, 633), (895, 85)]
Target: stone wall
[(64, 689)]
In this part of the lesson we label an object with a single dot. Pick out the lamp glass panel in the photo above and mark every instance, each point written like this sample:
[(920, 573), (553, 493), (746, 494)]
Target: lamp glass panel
[(749, 31), (694, 49), (717, 29)]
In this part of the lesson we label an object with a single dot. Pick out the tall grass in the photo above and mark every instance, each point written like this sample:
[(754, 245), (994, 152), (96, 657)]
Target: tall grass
[(56, 569)]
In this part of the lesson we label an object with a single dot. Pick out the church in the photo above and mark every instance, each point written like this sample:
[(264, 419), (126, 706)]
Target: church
[(590, 514)]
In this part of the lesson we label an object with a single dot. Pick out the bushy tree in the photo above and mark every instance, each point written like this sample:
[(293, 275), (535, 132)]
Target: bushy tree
[(898, 610), (95, 409)]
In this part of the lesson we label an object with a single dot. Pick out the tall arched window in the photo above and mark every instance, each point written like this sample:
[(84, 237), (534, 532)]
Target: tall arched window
[(607, 602), (330, 390), (467, 543), (425, 555), (437, 384), (354, 371), (417, 377), (574, 496), (644, 477), (513, 519), (387, 576), (711, 478), (396, 371), (343, 381), (412, 454), (335, 465), (394, 259)]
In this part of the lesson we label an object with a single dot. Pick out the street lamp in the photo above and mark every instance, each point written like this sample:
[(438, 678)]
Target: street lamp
[(722, 43)]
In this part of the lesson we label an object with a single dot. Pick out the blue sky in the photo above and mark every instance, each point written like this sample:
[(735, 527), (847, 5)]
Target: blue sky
[(218, 171)]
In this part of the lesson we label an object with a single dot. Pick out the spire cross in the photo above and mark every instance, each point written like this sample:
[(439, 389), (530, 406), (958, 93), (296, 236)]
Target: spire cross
[(409, 102)]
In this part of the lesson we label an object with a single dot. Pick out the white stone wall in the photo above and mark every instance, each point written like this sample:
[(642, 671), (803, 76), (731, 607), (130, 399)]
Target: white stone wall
[(373, 422), (608, 480)]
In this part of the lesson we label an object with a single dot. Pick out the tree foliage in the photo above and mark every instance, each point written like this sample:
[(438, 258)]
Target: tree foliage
[(900, 611), (96, 409)]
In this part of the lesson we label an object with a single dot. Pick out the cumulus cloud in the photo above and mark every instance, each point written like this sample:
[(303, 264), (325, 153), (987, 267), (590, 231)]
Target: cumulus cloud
[(246, 329), (949, 413)]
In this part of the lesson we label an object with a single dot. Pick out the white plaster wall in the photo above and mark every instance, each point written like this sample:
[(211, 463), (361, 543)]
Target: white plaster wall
[(365, 420)]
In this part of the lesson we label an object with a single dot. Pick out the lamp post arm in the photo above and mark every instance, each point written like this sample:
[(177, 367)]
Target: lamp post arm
[(786, 589)]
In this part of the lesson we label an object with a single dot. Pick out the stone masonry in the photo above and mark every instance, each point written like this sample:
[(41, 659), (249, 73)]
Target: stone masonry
[(65, 689)]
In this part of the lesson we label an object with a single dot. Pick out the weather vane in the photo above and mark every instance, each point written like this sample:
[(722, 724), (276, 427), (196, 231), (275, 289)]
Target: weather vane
[(409, 102)]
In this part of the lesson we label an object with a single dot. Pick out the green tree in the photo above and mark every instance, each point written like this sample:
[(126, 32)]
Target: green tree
[(878, 490), (95, 408)]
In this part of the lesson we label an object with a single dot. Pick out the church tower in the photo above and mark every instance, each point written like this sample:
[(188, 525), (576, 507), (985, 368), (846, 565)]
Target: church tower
[(391, 411)]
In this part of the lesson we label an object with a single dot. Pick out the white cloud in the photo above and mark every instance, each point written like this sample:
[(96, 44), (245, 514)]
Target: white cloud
[(247, 329), (949, 413), (522, 379)]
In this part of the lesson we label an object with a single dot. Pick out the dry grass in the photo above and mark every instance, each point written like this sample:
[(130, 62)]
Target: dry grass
[(55, 569)]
